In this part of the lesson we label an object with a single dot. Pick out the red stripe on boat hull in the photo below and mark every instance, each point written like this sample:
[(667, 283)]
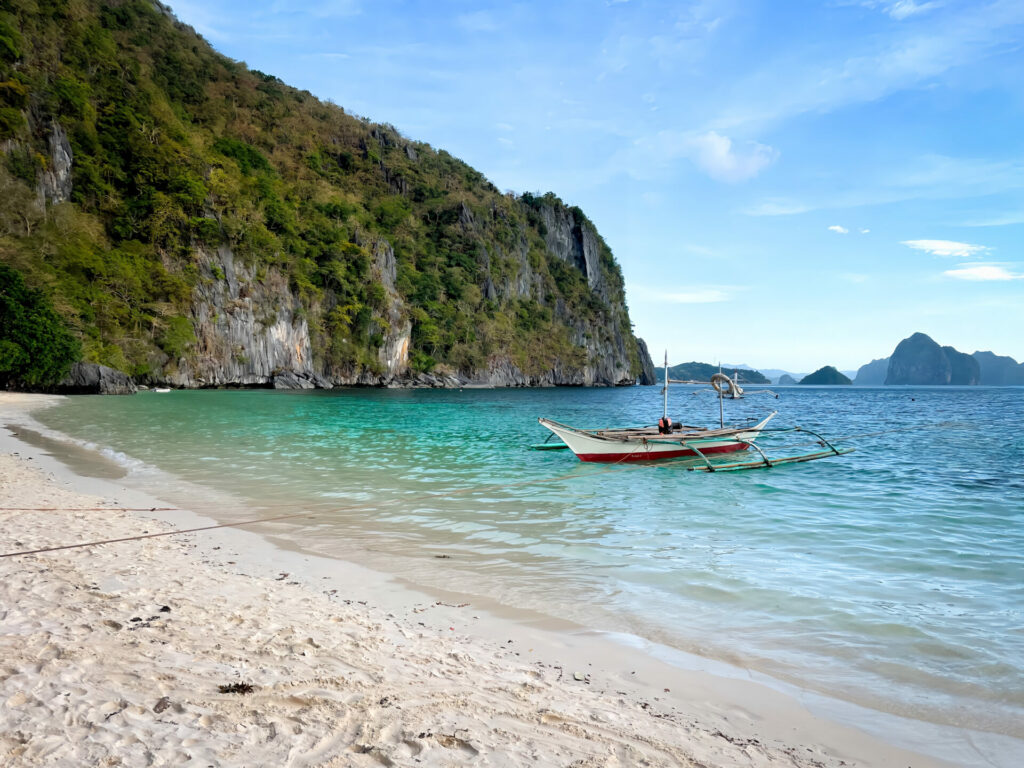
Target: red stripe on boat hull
[(646, 456)]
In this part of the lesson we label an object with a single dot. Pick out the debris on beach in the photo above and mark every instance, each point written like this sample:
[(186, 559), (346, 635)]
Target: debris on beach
[(242, 688)]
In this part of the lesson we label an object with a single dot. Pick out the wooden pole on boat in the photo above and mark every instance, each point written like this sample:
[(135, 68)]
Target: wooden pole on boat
[(721, 408), (664, 409)]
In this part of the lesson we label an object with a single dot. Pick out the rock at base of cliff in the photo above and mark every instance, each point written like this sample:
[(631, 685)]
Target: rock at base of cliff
[(93, 379), (300, 380)]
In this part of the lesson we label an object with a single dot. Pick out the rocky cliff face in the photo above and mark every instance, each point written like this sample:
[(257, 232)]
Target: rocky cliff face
[(200, 224), (999, 370), (919, 360), (872, 374), (251, 330)]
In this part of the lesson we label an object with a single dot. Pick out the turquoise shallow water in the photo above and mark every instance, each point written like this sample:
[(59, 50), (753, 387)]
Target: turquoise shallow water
[(892, 577)]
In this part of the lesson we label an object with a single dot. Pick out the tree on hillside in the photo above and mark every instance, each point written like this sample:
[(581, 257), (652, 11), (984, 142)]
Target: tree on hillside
[(36, 348)]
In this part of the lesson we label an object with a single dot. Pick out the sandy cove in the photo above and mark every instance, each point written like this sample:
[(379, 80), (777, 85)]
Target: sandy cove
[(120, 654)]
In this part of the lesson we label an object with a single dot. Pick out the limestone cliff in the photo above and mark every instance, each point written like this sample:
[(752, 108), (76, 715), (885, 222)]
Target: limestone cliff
[(919, 360), (197, 223), (999, 370), (872, 374), (251, 330)]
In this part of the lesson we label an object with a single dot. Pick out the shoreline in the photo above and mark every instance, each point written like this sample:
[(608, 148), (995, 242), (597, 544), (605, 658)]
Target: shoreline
[(726, 718)]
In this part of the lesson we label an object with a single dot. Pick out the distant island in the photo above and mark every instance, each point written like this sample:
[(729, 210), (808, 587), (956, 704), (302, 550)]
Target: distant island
[(920, 360), (694, 371), (828, 376)]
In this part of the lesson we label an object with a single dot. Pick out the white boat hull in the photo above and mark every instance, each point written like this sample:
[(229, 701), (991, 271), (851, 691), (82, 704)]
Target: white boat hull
[(607, 446)]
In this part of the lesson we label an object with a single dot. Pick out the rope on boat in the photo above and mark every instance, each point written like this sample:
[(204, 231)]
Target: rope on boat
[(612, 468)]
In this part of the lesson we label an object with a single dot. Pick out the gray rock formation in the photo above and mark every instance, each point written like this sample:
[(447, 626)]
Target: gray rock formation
[(919, 360), (93, 379), (964, 369), (648, 375), (54, 183), (248, 330), (872, 374), (999, 370), (251, 330)]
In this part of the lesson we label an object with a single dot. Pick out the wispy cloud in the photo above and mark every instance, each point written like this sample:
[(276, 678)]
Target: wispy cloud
[(477, 21), (324, 9), (777, 207), (787, 86), (927, 177), (903, 9), (864, 230), (999, 220), (983, 273), (946, 248), (718, 158), (698, 294), (838, 229)]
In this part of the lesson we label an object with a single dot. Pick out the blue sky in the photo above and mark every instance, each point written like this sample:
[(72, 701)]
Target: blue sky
[(785, 184)]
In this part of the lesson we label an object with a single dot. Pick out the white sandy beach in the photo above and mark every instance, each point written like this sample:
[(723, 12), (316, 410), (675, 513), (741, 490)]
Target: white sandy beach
[(115, 654)]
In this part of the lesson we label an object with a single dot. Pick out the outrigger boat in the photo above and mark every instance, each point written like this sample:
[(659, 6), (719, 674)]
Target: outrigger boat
[(649, 444)]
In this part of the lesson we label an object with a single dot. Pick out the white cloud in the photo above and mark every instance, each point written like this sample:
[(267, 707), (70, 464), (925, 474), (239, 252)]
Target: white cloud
[(902, 9), (876, 67), (714, 154), (946, 248), (777, 207), (999, 220), (702, 296), (982, 273), (864, 230), (839, 230), (478, 21), (325, 9), (698, 294)]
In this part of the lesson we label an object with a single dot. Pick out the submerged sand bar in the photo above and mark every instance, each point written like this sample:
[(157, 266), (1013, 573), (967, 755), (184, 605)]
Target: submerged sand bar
[(141, 653)]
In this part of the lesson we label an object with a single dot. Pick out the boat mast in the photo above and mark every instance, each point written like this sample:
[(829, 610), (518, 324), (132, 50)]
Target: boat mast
[(721, 408), (664, 409)]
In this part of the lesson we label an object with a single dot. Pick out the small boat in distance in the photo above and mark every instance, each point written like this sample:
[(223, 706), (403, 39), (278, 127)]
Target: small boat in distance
[(161, 390)]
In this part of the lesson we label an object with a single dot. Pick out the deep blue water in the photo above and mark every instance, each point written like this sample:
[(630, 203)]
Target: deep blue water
[(892, 577)]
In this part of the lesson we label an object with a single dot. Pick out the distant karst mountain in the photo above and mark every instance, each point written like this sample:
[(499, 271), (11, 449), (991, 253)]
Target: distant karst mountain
[(920, 360), (826, 376), (872, 374), (785, 380), (999, 370), (694, 371)]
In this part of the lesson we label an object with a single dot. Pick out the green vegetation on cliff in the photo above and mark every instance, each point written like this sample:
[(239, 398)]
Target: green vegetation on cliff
[(129, 149), (694, 371), (35, 347)]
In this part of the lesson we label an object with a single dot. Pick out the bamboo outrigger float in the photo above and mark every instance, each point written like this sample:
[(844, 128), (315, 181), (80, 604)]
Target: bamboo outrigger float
[(682, 442)]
